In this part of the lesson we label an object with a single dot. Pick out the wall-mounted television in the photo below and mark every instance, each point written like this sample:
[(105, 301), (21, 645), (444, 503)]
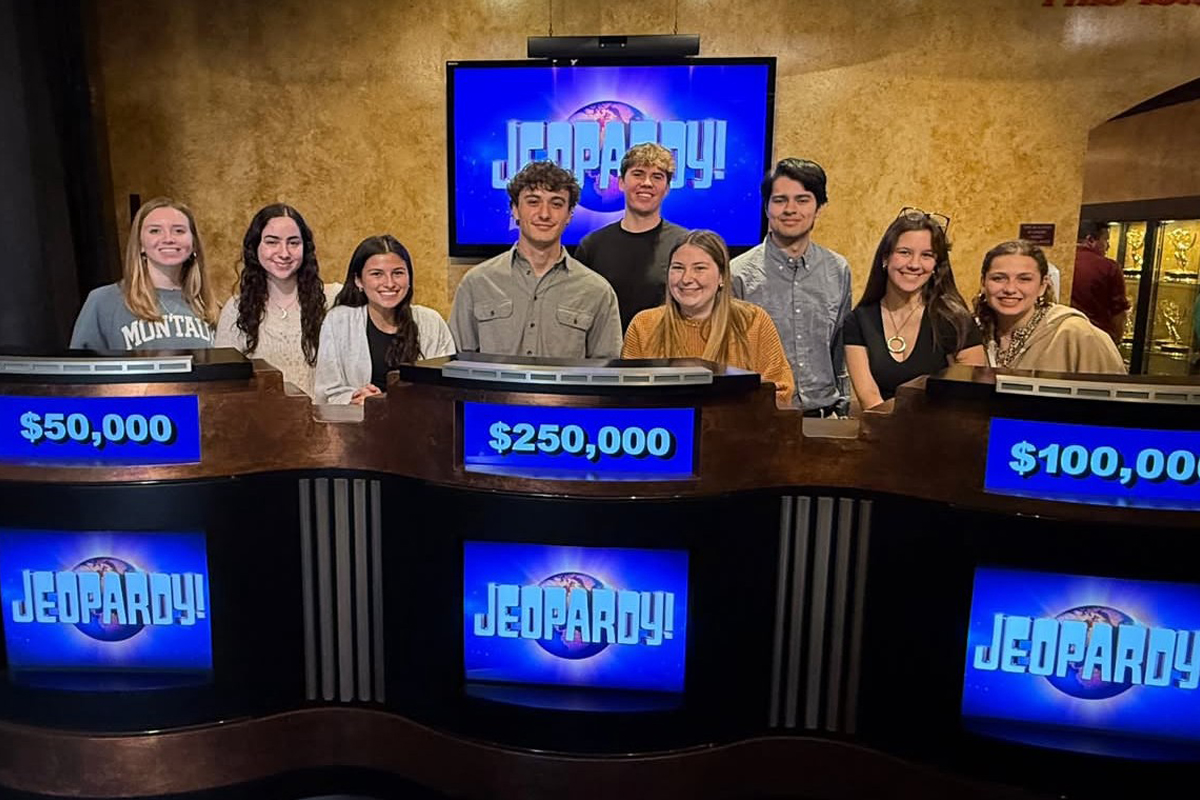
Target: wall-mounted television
[(715, 114)]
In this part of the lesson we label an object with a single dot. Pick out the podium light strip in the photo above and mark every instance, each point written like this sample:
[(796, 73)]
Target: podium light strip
[(362, 617), (93, 365), (324, 589), (800, 542), (306, 590), (345, 630), (850, 723), (837, 633), (640, 377), (377, 588), (816, 620), (787, 507), (1179, 394)]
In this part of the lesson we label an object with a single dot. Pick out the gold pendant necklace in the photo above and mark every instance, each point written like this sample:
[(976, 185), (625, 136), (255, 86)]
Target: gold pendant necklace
[(896, 343)]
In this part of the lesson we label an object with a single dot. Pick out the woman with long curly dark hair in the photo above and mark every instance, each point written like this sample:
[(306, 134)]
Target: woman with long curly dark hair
[(375, 326), (279, 301), (911, 319)]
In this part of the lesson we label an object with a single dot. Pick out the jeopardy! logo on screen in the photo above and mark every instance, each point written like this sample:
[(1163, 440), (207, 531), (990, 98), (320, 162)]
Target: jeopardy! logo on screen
[(575, 616), (105, 600), (713, 117), (1104, 654)]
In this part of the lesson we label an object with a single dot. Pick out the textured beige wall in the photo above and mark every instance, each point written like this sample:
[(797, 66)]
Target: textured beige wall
[(1144, 157), (976, 108)]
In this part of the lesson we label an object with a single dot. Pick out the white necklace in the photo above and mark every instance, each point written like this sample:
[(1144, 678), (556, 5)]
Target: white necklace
[(283, 310)]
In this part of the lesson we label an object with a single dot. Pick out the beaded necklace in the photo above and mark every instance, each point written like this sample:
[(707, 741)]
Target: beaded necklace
[(1019, 337)]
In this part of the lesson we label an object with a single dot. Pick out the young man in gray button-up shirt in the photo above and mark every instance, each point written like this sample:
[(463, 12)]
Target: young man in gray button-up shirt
[(536, 300), (803, 286)]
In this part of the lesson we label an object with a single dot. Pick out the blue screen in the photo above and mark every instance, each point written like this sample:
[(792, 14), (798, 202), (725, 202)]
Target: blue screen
[(1101, 654), (560, 442), (99, 431), (105, 601), (714, 116), (1094, 464), (575, 616)]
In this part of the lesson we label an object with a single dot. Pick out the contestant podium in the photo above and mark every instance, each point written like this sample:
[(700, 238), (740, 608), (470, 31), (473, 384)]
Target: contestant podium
[(533, 578)]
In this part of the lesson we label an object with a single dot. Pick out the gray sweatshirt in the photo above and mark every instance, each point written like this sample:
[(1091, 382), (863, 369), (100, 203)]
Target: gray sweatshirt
[(106, 323)]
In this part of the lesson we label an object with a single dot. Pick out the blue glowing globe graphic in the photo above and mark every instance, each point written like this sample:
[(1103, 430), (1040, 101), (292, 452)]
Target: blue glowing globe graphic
[(107, 630), (574, 648), (1090, 687), (605, 111)]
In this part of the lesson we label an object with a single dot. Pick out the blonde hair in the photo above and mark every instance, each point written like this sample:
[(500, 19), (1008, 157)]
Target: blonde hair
[(649, 154), (730, 318), (137, 286)]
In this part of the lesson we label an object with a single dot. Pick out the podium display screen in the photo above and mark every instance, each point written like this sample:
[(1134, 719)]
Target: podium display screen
[(1097, 464), (569, 443), (604, 617), (1117, 658), (99, 431), (85, 604)]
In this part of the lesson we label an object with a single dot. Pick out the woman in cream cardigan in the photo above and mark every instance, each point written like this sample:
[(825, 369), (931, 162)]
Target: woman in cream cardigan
[(374, 326), (1024, 329)]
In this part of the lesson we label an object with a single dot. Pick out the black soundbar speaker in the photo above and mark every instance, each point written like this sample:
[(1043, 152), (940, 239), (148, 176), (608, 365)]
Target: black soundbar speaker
[(657, 45)]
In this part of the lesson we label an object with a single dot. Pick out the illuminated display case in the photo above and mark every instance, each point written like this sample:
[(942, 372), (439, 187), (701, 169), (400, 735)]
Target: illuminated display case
[(1157, 244), (1172, 340)]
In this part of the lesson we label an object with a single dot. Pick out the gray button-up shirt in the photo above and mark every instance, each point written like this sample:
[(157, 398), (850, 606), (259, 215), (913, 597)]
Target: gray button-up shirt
[(502, 307), (808, 298)]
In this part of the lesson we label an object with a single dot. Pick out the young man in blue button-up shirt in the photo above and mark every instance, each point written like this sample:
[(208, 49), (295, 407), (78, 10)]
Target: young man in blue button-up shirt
[(803, 286)]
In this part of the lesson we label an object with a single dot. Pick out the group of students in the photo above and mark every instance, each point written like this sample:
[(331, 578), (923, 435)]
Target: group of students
[(638, 288), (336, 342)]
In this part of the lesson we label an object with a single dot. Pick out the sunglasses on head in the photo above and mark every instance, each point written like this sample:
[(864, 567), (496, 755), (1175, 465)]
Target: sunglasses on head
[(918, 215)]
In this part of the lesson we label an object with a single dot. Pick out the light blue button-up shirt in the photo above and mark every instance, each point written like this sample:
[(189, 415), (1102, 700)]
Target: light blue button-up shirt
[(808, 298)]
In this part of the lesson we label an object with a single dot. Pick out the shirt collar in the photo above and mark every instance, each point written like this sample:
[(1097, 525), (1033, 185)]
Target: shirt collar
[(782, 259), (519, 260)]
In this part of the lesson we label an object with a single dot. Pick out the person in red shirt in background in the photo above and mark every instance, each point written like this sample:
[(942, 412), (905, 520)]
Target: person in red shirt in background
[(1098, 288)]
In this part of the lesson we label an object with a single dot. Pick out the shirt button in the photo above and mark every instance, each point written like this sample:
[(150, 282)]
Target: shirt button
[(528, 352), (532, 324)]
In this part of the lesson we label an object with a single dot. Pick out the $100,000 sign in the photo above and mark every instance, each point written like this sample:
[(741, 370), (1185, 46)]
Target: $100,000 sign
[(579, 443), (1094, 464)]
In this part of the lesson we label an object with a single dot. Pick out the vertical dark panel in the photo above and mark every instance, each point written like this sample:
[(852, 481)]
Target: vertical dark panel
[(52, 230)]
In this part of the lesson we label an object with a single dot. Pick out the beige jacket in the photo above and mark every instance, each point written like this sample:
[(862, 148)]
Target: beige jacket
[(1064, 341)]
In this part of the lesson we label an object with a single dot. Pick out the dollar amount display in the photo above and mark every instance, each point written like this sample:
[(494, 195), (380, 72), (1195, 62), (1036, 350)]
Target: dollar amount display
[(110, 429), (553, 439), (99, 431), (1094, 464), (1077, 461), (579, 443)]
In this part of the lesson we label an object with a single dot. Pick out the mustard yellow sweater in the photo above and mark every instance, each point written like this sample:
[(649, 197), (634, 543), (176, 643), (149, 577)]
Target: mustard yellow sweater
[(761, 352)]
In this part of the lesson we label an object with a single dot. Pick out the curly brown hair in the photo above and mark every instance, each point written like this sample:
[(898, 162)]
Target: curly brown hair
[(544, 175)]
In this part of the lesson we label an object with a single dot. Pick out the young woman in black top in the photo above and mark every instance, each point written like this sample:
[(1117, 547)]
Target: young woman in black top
[(911, 319)]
